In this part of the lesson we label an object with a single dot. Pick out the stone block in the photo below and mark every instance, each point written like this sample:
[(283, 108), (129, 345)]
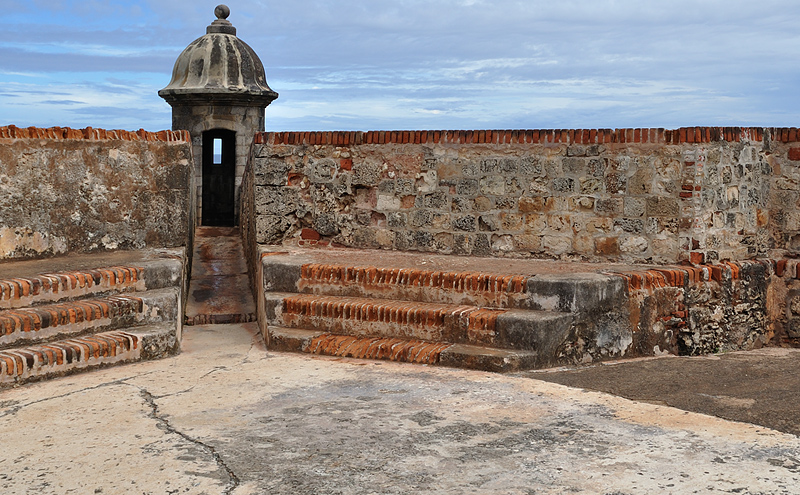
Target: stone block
[(386, 187), (421, 218), (574, 166), (471, 169), (444, 241), (615, 183), (502, 243), (506, 203), (280, 276), (665, 250), (528, 242), (384, 238), (576, 293), (462, 205), (367, 174), (463, 244), (489, 223), (591, 185), (530, 165), (482, 246), (326, 224), (597, 168), (365, 237), (273, 200), (529, 205), (467, 187), (576, 150), (564, 185), (271, 229), (539, 187), (661, 206), (583, 203), (609, 206), (511, 221), (633, 244), (466, 223), (559, 223), (404, 187), (396, 219), (794, 305), (557, 244), (322, 171), (606, 246), (493, 186), (543, 332), (634, 207), (535, 222), (629, 225), (388, 202), (583, 243), (436, 200), (482, 203)]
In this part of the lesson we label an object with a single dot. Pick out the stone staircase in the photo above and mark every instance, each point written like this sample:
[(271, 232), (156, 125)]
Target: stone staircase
[(75, 313), (494, 315)]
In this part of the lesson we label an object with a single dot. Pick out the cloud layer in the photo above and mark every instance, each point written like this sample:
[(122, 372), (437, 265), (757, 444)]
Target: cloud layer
[(409, 64)]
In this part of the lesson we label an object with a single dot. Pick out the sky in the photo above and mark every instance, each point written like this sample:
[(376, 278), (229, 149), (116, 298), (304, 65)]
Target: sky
[(409, 64)]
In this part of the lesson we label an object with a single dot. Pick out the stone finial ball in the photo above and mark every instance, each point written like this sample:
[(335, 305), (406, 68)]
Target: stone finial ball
[(222, 11)]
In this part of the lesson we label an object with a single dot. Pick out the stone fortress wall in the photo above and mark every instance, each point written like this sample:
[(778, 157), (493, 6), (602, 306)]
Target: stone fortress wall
[(68, 191), (635, 195)]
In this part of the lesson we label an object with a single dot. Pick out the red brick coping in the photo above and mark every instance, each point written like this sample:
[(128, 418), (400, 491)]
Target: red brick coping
[(89, 133), (527, 136)]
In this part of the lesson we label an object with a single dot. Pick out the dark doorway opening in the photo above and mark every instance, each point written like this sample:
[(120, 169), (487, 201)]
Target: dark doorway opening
[(219, 178)]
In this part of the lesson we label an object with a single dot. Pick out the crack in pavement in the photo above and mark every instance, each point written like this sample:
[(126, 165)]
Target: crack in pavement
[(197, 382), (17, 408), (165, 425)]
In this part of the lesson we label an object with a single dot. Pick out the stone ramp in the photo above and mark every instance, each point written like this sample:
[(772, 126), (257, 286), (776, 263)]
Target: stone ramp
[(220, 288), (73, 313)]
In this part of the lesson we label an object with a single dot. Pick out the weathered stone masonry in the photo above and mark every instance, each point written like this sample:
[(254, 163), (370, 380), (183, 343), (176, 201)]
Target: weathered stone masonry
[(720, 200), (641, 195), (67, 190)]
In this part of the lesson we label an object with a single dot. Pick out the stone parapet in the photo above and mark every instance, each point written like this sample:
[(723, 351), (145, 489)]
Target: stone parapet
[(697, 194), (70, 191)]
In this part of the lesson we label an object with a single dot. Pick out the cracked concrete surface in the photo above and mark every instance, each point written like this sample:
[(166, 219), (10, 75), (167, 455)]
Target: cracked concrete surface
[(226, 417)]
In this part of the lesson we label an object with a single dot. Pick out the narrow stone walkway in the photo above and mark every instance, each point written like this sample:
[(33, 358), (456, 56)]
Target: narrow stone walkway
[(219, 291)]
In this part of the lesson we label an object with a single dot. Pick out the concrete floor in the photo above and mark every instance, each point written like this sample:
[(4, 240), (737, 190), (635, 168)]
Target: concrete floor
[(227, 417)]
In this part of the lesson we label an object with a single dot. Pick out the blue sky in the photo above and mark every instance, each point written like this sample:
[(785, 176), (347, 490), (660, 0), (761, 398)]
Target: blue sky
[(408, 64)]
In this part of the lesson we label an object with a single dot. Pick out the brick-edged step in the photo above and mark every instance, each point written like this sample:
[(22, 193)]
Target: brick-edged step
[(24, 326), (431, 322), (66, 356), (44, 288), (472, 288), (565, 292), (401, 350)]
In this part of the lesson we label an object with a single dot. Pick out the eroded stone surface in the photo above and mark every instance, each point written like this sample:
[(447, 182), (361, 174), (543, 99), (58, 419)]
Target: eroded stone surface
[(61, 196)]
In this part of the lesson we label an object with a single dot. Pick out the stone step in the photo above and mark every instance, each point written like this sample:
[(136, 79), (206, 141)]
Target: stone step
[(25, 326), (401, 350), (414, 320), (72, 355), (43, 288), (565, 292)]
